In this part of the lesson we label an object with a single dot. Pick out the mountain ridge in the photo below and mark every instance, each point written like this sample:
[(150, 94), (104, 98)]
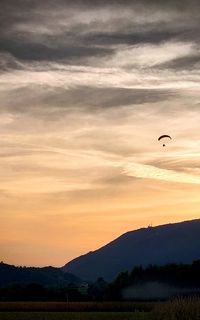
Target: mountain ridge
[(178, 243)]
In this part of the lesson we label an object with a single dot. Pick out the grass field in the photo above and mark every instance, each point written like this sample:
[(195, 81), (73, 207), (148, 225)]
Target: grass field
[(75, 310), (177, 309), (74, 315), (77, 306)]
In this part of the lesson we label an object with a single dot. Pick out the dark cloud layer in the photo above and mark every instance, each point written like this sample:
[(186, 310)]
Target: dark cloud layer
[(38, 37), (130, 38), (77, 30), (112, 97), (52, 104), (189, 63), (37, 51)]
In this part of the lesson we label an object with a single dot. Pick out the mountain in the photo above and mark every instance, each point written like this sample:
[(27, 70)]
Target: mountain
[(170, 243), (50, 276)]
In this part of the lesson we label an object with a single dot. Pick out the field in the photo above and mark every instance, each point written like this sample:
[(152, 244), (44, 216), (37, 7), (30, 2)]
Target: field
[(178, 309), (74, 315), (77, 306), (75, 310)]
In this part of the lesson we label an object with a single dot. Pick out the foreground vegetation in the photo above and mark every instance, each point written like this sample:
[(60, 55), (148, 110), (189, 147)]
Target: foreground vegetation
[(177, 309), (157, 282)]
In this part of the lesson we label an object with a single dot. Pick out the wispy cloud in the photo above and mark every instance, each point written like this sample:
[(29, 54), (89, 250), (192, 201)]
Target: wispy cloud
[(151, 172)]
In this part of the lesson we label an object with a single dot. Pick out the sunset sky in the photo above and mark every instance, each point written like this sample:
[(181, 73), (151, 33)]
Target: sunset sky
[(86, 89)]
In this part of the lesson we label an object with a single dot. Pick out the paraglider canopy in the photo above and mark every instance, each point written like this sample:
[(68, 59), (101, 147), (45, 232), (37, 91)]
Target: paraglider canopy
[(164, 136)]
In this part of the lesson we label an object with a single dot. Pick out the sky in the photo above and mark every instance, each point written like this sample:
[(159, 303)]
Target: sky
[(86, 89)]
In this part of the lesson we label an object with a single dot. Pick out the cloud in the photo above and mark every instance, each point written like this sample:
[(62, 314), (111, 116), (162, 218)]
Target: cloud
[(151, 55), (51, 104), (151, 172), (84, 32), (96, 71), (191, 62), (71, 54)]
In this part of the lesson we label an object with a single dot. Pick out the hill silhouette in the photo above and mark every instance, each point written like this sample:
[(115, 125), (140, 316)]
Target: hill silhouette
[(170, 243), (10, 274)]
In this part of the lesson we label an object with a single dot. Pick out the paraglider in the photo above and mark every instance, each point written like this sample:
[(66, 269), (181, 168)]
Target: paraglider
[(164, 136)]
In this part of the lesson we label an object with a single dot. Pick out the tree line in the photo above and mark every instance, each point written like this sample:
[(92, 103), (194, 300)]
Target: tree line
[(177, 275)]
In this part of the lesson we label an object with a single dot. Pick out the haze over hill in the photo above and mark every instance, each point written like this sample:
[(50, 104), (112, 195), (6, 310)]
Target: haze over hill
[(170, 243)]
